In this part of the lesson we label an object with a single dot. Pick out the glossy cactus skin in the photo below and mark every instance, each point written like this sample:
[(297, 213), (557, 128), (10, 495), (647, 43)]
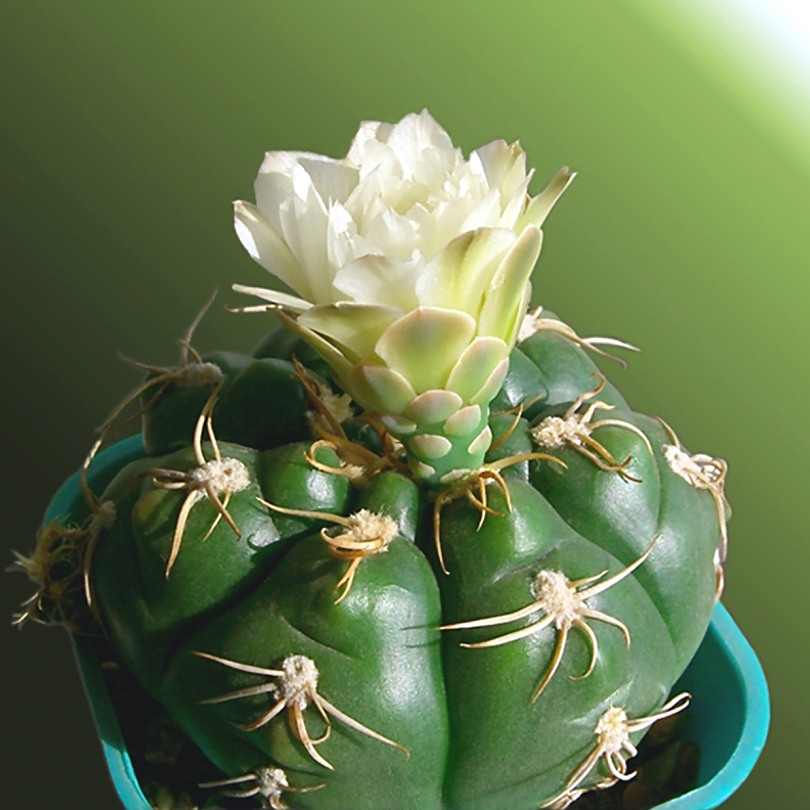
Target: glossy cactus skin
[(475, 739)]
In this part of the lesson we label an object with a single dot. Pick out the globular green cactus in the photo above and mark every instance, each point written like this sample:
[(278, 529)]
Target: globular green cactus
[(416, 553)]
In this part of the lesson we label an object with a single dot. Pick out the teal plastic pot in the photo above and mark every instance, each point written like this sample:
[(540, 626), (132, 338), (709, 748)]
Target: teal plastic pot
[(728, 717)]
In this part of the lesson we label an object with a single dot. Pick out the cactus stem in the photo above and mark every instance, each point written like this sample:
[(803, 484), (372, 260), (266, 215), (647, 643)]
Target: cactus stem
[(703, 472), (613, 745), (269, 783), (564, 606), (463, 484), (574, 430), (211, 479), (367, 533), (296, 686), (533, 323)]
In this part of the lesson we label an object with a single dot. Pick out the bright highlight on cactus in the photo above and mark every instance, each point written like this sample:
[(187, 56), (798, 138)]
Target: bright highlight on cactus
[(405, 457)]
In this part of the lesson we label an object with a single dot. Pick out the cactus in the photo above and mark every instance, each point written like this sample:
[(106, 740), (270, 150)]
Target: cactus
[(410, 554)]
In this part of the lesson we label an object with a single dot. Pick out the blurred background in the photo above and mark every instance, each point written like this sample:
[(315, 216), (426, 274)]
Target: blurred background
[(128, 128)]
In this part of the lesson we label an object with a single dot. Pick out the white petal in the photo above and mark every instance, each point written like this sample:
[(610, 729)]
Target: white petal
[(333, 179), (381, 280), (391, 233), (267, 248), (435, 228), (304, 224), (504, 300), (513, 208), (540, 207), (274, 184), (486, 214), (417, 138), (365, 150), (343, 244), (503, 164), (274, 297), (459, 276)]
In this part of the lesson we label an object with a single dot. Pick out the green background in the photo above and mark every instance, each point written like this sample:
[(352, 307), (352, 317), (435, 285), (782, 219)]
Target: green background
[(128, 127)]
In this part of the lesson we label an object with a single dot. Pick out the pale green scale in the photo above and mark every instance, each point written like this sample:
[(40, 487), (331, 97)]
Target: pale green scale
[(448, 447)]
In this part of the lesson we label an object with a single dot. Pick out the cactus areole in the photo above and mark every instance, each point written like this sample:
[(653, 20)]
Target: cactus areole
[(415, 552)]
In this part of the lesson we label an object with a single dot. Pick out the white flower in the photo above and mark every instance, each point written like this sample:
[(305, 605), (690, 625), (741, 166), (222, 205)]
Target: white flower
[(411, 264)]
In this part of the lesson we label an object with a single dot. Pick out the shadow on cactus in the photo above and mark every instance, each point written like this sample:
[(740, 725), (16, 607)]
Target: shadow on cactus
[(416, 551)]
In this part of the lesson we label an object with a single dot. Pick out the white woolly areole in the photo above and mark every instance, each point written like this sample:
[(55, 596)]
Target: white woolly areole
[(612, 731), (198, 375), (369, 527), (699, 470), (272, 782), (680, 462), (554, 431), (553, 589), (103, 519), (224, 475), (356, 473), (300, 679), (339, 406)]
